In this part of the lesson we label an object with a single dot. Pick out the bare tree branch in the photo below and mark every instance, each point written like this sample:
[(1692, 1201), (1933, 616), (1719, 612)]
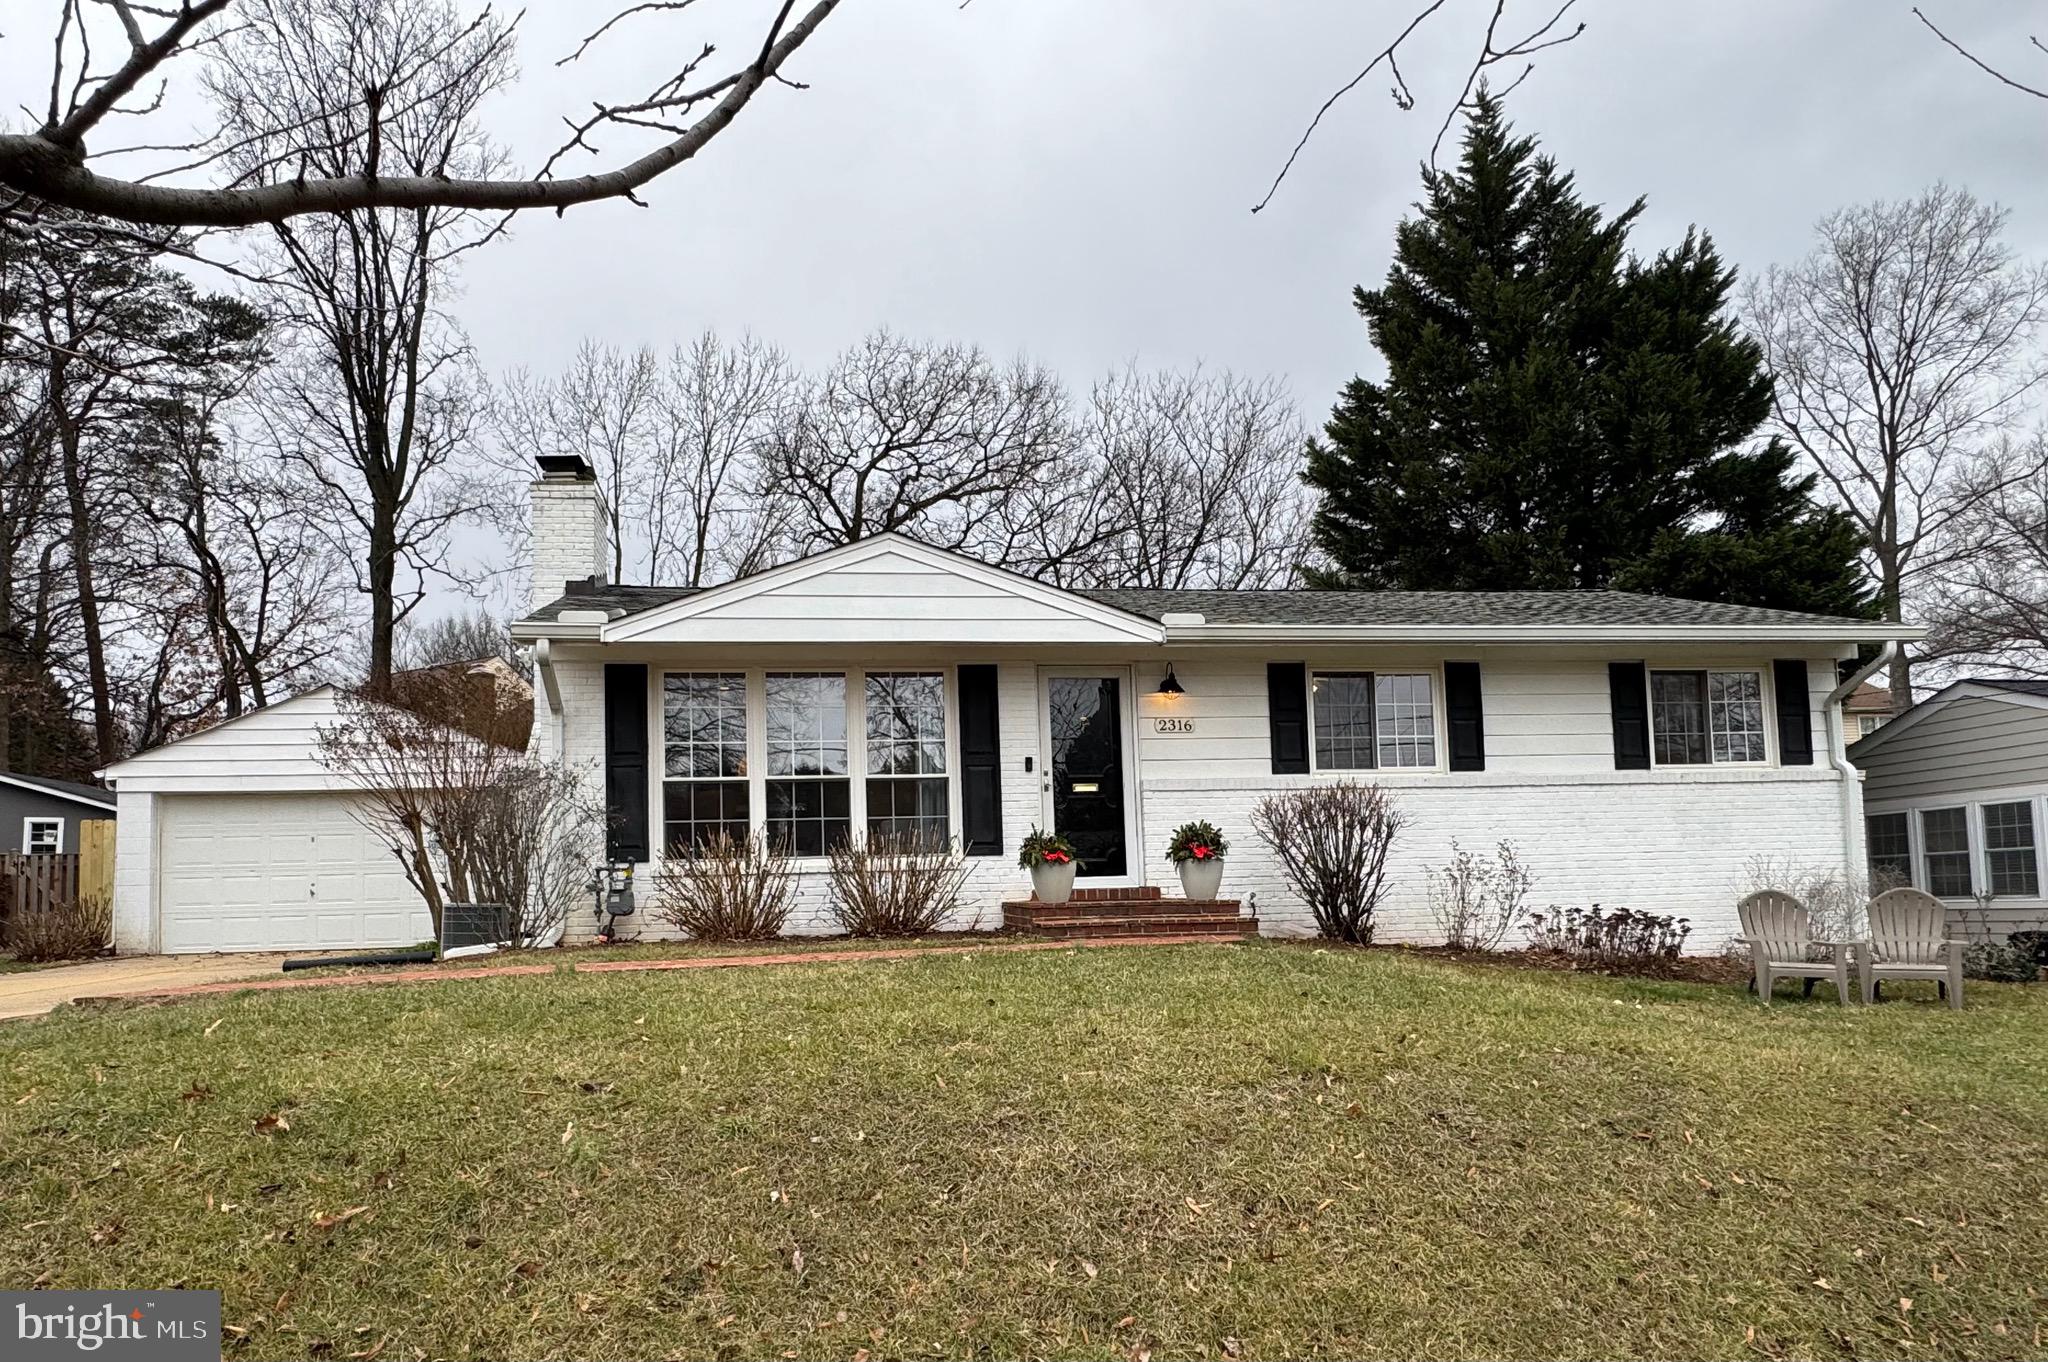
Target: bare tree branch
[(1980, 64)]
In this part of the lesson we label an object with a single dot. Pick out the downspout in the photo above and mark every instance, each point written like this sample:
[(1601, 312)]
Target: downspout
[(551, 686), (1838, 753)]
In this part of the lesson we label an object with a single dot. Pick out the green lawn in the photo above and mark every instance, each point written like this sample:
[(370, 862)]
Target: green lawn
[(1196, 1151)]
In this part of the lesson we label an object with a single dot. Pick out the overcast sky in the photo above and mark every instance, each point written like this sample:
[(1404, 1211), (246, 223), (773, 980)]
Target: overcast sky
[(1071, 179)]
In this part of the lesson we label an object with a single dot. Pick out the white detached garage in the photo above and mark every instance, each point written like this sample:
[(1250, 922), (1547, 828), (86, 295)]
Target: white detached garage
[(239, 839)]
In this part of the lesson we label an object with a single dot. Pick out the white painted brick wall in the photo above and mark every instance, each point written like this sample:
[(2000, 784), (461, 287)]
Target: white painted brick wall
[(1664, 841), (568, 537)]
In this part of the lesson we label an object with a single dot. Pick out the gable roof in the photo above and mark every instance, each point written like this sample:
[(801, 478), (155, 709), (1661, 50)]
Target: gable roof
[(2002, 690), (640, 613), (98, 796)]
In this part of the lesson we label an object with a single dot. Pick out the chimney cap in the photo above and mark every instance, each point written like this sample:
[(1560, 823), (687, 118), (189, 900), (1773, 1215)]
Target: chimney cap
[(565, 468)]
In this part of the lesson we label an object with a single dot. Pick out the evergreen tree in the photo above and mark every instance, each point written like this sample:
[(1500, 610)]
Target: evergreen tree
[(1559, 414)]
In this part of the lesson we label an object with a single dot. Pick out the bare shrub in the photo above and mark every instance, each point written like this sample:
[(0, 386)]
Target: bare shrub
[(895, 886), (445, 782), (725, 889), (1835, 898), (70, 930), (1477, 900), (1332, 843)]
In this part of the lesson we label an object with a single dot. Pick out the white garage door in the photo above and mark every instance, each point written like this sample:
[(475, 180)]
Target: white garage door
[(278, 872)]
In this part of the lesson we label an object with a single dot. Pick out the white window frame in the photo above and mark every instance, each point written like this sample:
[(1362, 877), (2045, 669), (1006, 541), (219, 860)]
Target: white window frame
[(1980, 864), (1973, 845), (1766, 700), (856, 744), (1912, 847), (658, 813), (1441, 736), (1981, 848), (28, 829)]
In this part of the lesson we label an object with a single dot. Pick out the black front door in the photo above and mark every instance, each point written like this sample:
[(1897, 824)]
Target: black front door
[(1084, 718)]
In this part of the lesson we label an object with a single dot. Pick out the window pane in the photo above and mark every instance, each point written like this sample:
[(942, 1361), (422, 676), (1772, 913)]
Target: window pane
[(704, 724), (2009, 849), (909, 809), (806, 724), (807, 816), (1343, 705), (1735, 715), (1945, 846), (906, 723), (1891, 856), (1678, 716), (1405, 718), (695, 811)]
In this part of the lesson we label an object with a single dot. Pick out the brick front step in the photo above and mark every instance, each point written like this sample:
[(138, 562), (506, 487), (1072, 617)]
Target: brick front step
[(1152, 925), (1031, 912), (1145, 891)]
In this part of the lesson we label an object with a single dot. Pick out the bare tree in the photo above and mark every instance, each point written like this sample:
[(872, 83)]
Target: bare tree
[(717, 409), (376, 403), (1198, 482), (1991, 604), (933, 441), (1903, 353), (268, 175), (471, 636)]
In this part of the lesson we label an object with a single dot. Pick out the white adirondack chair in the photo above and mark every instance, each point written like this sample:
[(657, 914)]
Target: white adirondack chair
[(1909, 940), (1778, 931)]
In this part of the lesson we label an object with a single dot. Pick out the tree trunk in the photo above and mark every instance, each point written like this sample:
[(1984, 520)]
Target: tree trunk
[(383, 577), (105, 746)]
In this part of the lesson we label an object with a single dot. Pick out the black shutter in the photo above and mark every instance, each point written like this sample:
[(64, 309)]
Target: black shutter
[(1287, 716), (625, 761), (1467, 716), (981, 763), (1795, 712), (1628, 692)]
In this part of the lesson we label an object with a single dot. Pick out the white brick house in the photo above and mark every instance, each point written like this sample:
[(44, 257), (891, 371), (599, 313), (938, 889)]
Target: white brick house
[(1638, 750)]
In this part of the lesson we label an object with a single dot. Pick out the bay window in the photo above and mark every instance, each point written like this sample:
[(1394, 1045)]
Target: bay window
[(809, 802), (704, 765), (1366, 720), (1700, 718), (906, 757)]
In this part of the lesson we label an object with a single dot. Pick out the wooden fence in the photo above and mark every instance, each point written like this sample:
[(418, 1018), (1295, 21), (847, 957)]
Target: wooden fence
[(33, 884)]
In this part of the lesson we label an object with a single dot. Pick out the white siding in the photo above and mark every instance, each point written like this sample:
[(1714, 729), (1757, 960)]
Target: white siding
[(273, 749)]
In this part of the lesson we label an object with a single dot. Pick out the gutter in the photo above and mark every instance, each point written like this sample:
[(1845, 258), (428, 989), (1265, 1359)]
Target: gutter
[(1838, 754), (551, 686), (1180, 630)]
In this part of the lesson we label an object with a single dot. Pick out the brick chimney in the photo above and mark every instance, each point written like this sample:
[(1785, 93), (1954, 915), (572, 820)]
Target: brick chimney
[(569, 542)]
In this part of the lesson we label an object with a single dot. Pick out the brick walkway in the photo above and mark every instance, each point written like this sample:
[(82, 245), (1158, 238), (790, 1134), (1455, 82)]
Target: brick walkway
[(794, 957)]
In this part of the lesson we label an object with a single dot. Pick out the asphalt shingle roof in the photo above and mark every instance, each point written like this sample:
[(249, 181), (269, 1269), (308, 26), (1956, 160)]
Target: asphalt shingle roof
[(70, 789), (1396, 608), (2013, 684), (1336, 608)]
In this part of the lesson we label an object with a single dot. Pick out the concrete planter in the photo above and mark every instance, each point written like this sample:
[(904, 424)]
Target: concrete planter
[(1200, 880), (1053, 883)]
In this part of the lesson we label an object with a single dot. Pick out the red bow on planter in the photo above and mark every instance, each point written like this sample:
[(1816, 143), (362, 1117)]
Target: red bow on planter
[(1058, 857), (1198, 851)]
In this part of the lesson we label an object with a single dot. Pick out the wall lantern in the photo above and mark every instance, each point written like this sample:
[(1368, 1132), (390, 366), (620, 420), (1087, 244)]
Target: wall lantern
[(1169, 686)]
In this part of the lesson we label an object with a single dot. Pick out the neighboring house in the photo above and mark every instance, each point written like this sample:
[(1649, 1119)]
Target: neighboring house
[(238, 838), (1868, 708), (1638, 750), (42, 815), (1954, 793)]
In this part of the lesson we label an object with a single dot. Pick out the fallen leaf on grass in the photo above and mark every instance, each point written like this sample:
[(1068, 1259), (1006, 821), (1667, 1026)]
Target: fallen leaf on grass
[(328, 1222), (271, 1123), (214, 1027), (1088, 1268), (366, 1354)]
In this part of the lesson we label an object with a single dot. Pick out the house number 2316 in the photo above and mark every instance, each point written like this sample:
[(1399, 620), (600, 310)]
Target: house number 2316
[(1173, 725)]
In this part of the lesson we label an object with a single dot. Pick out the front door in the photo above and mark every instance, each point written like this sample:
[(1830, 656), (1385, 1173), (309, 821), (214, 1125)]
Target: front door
[(1084, 768)]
